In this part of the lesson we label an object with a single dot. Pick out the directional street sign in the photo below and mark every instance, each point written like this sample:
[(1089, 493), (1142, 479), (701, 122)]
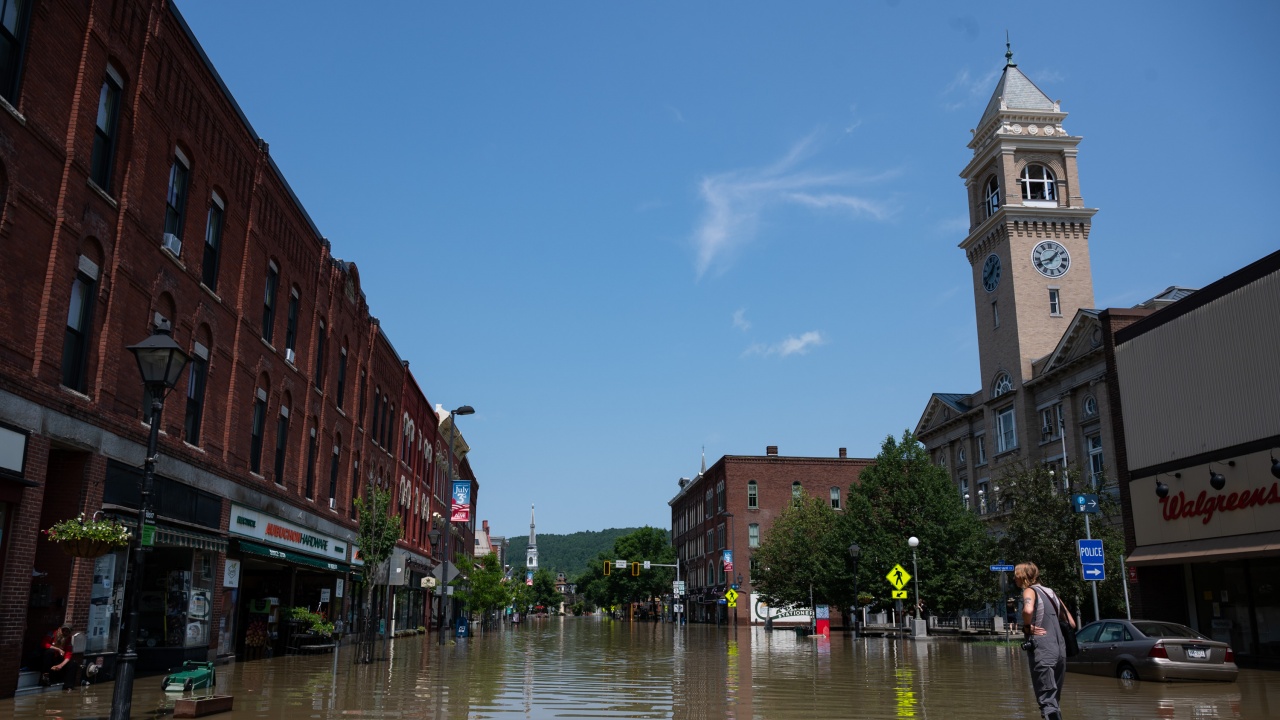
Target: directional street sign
[(1092, 560), (1001, 568), (620, 564), (1085, 503), (646, 564), (898, 577), (899, 594)]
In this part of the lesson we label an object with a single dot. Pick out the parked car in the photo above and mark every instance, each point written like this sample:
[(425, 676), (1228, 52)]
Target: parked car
[(1151, 650)]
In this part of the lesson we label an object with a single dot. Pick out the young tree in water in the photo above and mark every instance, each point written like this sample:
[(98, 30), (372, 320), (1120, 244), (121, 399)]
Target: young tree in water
[(804, 555), (904, 494), (1043, 527), (485, 592), (378, 530)]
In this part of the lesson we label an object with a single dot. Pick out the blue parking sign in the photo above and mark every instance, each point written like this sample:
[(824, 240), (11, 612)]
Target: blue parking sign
[(1092, 560)]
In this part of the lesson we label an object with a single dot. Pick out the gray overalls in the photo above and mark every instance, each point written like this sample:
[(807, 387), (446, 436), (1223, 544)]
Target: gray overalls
[(1048, 657)]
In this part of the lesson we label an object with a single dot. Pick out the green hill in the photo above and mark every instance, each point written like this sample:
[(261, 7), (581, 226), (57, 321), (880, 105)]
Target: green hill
[(569, 553)]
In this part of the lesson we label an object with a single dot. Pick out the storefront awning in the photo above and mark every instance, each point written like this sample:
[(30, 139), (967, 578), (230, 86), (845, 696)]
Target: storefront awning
[(173, 537), (254, 548), (1222, 548)]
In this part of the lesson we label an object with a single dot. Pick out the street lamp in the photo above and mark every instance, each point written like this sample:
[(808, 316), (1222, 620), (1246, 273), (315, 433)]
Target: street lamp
[(434, 537), (855, 552), (913, 541), (160, 363), (448, 518)]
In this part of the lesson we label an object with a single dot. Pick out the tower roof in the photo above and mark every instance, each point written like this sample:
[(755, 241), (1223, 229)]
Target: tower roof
[(1015, 91)]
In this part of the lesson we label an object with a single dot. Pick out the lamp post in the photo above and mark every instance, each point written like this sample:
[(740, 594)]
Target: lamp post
[(913, 541), (448, 518), (160, 362), (434, 536), (855, 552)]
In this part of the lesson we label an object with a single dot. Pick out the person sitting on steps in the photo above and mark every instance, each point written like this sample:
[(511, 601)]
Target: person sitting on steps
[(56, 662)]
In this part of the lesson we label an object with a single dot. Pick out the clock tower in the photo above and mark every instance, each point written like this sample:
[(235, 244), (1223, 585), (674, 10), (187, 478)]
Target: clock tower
[(1028, 241)]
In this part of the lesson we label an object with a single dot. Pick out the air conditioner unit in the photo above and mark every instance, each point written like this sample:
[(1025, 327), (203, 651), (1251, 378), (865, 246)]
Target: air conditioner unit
[(290, 355), (173, 243)]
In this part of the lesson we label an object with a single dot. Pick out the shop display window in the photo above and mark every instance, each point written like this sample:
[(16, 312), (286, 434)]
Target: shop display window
[(106, 602), (177, 600)]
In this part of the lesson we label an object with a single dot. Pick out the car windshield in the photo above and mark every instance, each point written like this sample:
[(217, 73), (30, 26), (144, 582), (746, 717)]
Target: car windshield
[(1167, 630)]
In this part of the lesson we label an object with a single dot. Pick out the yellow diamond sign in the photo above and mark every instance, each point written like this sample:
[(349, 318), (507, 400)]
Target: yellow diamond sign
[(731, 595), (898, 577), (899, 594)]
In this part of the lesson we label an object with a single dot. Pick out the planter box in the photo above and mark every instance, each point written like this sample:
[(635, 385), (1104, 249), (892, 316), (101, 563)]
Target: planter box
[(194, 707)]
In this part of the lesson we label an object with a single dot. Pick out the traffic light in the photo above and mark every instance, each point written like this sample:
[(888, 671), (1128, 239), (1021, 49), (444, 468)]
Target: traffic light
[(607, 567), (635, 568)]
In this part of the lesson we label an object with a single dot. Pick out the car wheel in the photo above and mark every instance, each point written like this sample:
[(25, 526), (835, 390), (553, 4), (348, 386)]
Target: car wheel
[(1126, 672)]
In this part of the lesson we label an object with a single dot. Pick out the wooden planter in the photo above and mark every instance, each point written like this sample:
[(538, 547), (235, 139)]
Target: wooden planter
[(85, 547), (194, 707)]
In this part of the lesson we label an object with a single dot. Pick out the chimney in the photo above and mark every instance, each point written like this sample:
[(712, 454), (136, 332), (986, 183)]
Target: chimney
[(771, 451), (486, 527), (844, 453)]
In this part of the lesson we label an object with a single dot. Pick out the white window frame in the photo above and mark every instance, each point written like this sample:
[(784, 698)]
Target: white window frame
[(981, 442), (1006, 430), (991, 196), (1046, 183), (753, 535), (753, 495), (1055, 302), (835, 498)]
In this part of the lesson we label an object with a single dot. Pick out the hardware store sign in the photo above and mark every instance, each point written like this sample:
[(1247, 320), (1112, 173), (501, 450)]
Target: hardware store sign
[(271, 530)]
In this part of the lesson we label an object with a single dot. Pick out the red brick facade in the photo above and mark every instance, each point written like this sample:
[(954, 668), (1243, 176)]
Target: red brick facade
[(74, 226), (715, 512)]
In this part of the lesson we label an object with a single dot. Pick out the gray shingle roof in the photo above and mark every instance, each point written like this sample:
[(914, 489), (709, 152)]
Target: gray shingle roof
[(1019, 93)]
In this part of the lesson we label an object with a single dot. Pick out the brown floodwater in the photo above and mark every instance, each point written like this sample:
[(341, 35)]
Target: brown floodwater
[(598, 668)]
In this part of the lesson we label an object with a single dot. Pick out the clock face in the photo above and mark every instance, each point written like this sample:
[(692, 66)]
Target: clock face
[(991, 272), (1051, 259)]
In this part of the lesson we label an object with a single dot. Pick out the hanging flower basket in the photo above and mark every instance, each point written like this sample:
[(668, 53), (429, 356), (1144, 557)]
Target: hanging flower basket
[(86, 548), (89, 538)]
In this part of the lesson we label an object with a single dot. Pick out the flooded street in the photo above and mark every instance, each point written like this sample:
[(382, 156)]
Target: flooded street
[(594, 668)]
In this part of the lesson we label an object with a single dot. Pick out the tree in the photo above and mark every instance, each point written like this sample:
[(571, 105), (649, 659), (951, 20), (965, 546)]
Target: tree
[(544, 591), (803, 556), (486, 591), (620, 586), (378, 530), (1043, 528), (903, 494)]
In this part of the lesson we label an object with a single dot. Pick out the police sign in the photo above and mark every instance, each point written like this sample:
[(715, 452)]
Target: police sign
[(1092, 560)]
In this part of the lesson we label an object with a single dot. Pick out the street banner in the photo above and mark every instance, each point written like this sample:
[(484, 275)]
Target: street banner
[(461, 501), (528, 578), (728, 561)]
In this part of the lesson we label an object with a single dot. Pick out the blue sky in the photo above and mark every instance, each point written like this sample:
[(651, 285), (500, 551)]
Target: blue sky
[(625, 231)]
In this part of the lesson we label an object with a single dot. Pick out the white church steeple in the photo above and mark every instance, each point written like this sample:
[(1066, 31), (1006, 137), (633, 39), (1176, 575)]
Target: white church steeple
[(531, 560)]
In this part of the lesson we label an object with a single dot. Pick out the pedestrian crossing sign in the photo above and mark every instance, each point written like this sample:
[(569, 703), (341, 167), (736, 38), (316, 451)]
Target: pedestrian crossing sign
[(898, 577), (731, 595)]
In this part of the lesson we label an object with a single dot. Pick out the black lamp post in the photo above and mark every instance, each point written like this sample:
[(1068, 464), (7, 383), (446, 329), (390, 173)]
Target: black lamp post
[(160, 362), (434, 536), (855, 552), (448, 518)]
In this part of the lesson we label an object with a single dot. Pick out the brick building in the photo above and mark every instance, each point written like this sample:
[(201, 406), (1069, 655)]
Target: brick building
[(134, 194), (730, 506)]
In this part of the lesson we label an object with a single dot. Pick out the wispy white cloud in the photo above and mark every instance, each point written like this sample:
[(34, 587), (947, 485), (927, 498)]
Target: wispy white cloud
[(854, 122), (740, 319), (964, 88), (734, 200), (791, 346), (675, 113)]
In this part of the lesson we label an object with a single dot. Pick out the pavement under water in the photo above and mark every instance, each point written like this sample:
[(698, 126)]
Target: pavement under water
[(599, 668)]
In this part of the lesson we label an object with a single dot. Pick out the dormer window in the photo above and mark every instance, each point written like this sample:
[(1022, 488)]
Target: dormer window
[(1038, 184), (991, 194)]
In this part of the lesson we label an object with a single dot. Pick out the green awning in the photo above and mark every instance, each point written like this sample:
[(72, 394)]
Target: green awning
[(254, 548), (172, 537)]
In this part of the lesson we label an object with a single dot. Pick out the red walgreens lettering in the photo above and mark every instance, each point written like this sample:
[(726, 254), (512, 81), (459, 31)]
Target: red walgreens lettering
[(1178, 506)]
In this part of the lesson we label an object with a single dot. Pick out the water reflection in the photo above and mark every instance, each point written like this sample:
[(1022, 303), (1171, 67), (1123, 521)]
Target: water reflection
[(593, 668)]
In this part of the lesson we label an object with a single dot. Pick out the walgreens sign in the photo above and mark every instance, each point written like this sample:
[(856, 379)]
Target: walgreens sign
[(1178, 507)]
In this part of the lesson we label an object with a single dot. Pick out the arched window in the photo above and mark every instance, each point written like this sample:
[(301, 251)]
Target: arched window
[(796, 490), (377, 413), (1090, 406), (1038, 183), (753, 494), (991, 196), (1002, 385)]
